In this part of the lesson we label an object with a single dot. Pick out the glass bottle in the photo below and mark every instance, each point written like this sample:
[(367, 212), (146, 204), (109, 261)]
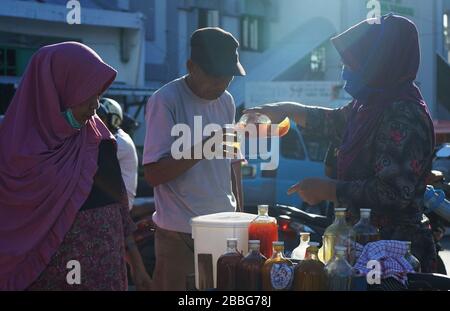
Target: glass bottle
[(263, 125), (264, 229), (300, 250), (339, 271), (415, 263), (310, 274), (278, 271), (338, 233), (365, 232), (226, 266), (250, 267)]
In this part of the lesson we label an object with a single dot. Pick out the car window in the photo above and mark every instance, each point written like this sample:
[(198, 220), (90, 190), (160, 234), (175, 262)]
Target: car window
[(291, 146), (317, 149)]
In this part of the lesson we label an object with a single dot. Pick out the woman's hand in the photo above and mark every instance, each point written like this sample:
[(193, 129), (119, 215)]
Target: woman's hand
[(276, 111), (315, 190), (139, 275), (141, 279)]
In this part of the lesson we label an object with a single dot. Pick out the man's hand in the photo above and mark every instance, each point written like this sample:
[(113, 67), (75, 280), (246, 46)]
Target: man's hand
[(315, 190)]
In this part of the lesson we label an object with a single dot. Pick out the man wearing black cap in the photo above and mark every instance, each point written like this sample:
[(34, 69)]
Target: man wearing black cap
[(186, 188)]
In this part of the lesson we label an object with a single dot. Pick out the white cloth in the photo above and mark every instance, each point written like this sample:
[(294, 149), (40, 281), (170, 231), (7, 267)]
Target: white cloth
[(206, 187), (128, 160)]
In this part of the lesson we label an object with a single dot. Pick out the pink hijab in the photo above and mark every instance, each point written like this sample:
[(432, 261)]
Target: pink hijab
[(46, 166)]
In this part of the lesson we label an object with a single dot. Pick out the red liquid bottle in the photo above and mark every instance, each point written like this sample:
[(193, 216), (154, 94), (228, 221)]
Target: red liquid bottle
[(264, 229), (227, 265)]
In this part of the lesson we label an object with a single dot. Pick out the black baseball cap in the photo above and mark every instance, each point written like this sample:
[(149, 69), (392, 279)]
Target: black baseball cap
[(215, 51)]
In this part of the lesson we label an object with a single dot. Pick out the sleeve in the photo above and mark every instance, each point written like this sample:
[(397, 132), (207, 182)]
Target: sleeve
[(128, 160), (160, 121), (327, 123), (403, 149)]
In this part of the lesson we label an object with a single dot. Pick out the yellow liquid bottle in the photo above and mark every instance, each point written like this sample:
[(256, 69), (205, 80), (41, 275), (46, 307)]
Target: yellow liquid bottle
[(338, 233)]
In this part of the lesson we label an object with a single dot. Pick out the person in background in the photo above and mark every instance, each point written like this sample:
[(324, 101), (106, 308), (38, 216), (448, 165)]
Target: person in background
[(384, 137), (110, 112), (64, 219), (187, 188)]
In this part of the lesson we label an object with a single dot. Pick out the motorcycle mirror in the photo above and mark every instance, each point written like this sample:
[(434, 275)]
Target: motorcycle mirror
[(444, 152)]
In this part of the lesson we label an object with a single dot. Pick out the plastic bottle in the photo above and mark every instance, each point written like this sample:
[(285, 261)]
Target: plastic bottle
[(365, 232), (227, 265), (339, 271), (250, 267), (300, 250), (310, 274), (278, 271)]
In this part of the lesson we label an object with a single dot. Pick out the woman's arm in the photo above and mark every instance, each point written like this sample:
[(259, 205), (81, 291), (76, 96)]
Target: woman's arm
[(316, 121), (141, 279)]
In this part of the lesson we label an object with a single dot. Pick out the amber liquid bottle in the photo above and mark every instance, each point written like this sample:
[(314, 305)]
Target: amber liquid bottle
[(278, 271), (249, 276), (227, 265), (264, 229), (365, 232), (310, 274)]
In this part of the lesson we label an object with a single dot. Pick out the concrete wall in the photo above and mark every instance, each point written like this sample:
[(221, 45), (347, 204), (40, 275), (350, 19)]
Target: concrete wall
[(105, 41)]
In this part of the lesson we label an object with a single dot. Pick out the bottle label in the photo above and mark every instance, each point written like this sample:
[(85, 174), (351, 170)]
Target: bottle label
[(281, 276)]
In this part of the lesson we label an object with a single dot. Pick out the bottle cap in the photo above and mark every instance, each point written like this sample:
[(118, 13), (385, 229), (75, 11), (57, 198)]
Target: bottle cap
[(304, 236), (254, 242), (277, 243), (263, 208), (313, 244), (340, 210), (340, 249), (365, 210), (232, 242)]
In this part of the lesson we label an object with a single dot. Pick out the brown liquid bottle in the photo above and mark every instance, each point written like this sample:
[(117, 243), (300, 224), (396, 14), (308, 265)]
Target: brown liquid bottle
[(365, 232), (250, 267), (264, 229), (310, 274), (278, 271), (415, 263), (226, 267)]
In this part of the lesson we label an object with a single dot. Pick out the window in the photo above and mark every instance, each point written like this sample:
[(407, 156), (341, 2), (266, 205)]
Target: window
[(8, 62), (318, 58), (291, 146), (208, 18), (252, 33), (446, 34), (317, 149)]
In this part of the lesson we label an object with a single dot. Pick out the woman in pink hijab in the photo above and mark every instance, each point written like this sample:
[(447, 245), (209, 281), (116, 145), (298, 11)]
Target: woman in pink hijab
[(64, 221)]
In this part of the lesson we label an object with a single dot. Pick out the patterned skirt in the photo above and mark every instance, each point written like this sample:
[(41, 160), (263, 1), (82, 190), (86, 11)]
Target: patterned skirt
[(92, 254)]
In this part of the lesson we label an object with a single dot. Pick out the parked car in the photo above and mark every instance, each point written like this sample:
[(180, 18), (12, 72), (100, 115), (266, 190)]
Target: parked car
[(300, 157)]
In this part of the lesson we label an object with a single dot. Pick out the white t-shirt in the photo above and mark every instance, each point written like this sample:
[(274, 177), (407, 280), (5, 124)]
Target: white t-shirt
[(128, 160), (206, 187)]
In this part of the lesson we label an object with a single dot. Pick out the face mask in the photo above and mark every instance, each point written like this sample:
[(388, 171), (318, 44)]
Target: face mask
[(355, 86), (68, 115)]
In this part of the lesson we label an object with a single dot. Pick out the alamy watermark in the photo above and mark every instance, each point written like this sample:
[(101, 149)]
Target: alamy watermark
[(224, 140), (74, 14), (73, 277), (374, 14)]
